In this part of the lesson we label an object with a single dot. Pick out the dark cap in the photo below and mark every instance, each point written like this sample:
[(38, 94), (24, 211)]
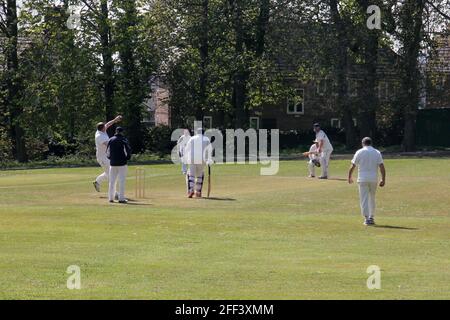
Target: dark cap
[(119, 130), (316, 125)]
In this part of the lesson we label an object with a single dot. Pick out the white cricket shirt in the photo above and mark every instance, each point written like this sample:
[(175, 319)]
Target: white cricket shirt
[(368, 159), (100, 139), (326, 142)]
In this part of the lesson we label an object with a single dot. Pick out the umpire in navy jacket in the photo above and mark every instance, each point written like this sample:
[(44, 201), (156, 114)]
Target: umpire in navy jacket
[(119, 153)]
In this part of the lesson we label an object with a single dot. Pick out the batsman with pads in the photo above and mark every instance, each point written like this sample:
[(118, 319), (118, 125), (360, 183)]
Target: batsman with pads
[(197, 155)]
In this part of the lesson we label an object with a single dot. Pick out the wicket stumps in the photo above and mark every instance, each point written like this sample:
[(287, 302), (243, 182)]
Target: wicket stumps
[(140, 183)]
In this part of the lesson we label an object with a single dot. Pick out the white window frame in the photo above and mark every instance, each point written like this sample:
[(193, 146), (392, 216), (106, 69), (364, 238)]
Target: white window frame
[(296, 112), (339, 123), (205, 119), (355, 123)]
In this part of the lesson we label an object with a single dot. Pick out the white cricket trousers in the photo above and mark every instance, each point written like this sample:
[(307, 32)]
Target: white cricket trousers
[(367, 192), (119, 175), (104, 163), (325, 161), (311, 168)]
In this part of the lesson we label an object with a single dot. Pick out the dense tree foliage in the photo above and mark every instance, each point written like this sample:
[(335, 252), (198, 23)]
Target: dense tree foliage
[(66, 65)]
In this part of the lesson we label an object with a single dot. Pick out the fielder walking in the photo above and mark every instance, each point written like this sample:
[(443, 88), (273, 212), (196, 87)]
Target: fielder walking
[(368, 160), (119, 153), (101, 143), (197, 154), (325, 149)]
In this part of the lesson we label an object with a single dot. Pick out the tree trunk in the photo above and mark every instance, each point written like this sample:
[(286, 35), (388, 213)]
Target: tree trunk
[(341, 75), (204, 51), (130, 78), (108, 63), (13, 83), (412, 35), (368, 109), (239, 78), (261, 26)]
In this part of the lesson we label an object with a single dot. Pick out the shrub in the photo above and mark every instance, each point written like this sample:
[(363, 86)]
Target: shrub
[(158, 140)]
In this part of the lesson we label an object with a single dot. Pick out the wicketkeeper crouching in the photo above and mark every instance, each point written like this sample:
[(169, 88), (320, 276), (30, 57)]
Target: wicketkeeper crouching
[(197, 154), (314, 159)]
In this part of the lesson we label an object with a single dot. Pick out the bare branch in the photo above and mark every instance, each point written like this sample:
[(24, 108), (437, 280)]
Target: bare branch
[(438, 10)]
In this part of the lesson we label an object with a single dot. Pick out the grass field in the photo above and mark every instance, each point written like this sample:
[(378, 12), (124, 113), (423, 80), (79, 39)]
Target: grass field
[(280, 237)]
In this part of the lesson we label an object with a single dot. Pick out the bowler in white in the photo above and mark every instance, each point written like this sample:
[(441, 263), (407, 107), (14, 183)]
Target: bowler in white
[(368, 160), (101, 144)]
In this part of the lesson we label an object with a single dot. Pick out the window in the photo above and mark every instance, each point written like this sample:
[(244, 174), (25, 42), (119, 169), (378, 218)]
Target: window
[(207, 122), (295, 104), (254, 123), (335, 123)]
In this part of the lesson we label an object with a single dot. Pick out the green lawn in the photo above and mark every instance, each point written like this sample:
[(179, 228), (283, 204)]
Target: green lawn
[(280, 237)]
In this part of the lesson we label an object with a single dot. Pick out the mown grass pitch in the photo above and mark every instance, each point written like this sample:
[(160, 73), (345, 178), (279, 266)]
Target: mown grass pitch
[(280, 237)]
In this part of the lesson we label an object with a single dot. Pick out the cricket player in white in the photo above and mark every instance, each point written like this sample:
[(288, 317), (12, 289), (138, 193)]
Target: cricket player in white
[(197, 154), (313, 156), (325, 149), (181, 144), (368, 160), (101, 143)]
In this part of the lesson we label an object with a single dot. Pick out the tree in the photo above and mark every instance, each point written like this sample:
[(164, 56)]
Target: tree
[(341, 68), (97, 35), (60, 90), (410, 24), (133, 76), (240, 75), (108, 63), (370, 44), (9, 28)]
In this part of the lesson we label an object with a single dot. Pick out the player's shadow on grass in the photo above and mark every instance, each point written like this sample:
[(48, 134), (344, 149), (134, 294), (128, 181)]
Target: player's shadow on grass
[(394, 227), (138, 204), (338, 179), (131, 202), (134, 202), (219, 199)]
